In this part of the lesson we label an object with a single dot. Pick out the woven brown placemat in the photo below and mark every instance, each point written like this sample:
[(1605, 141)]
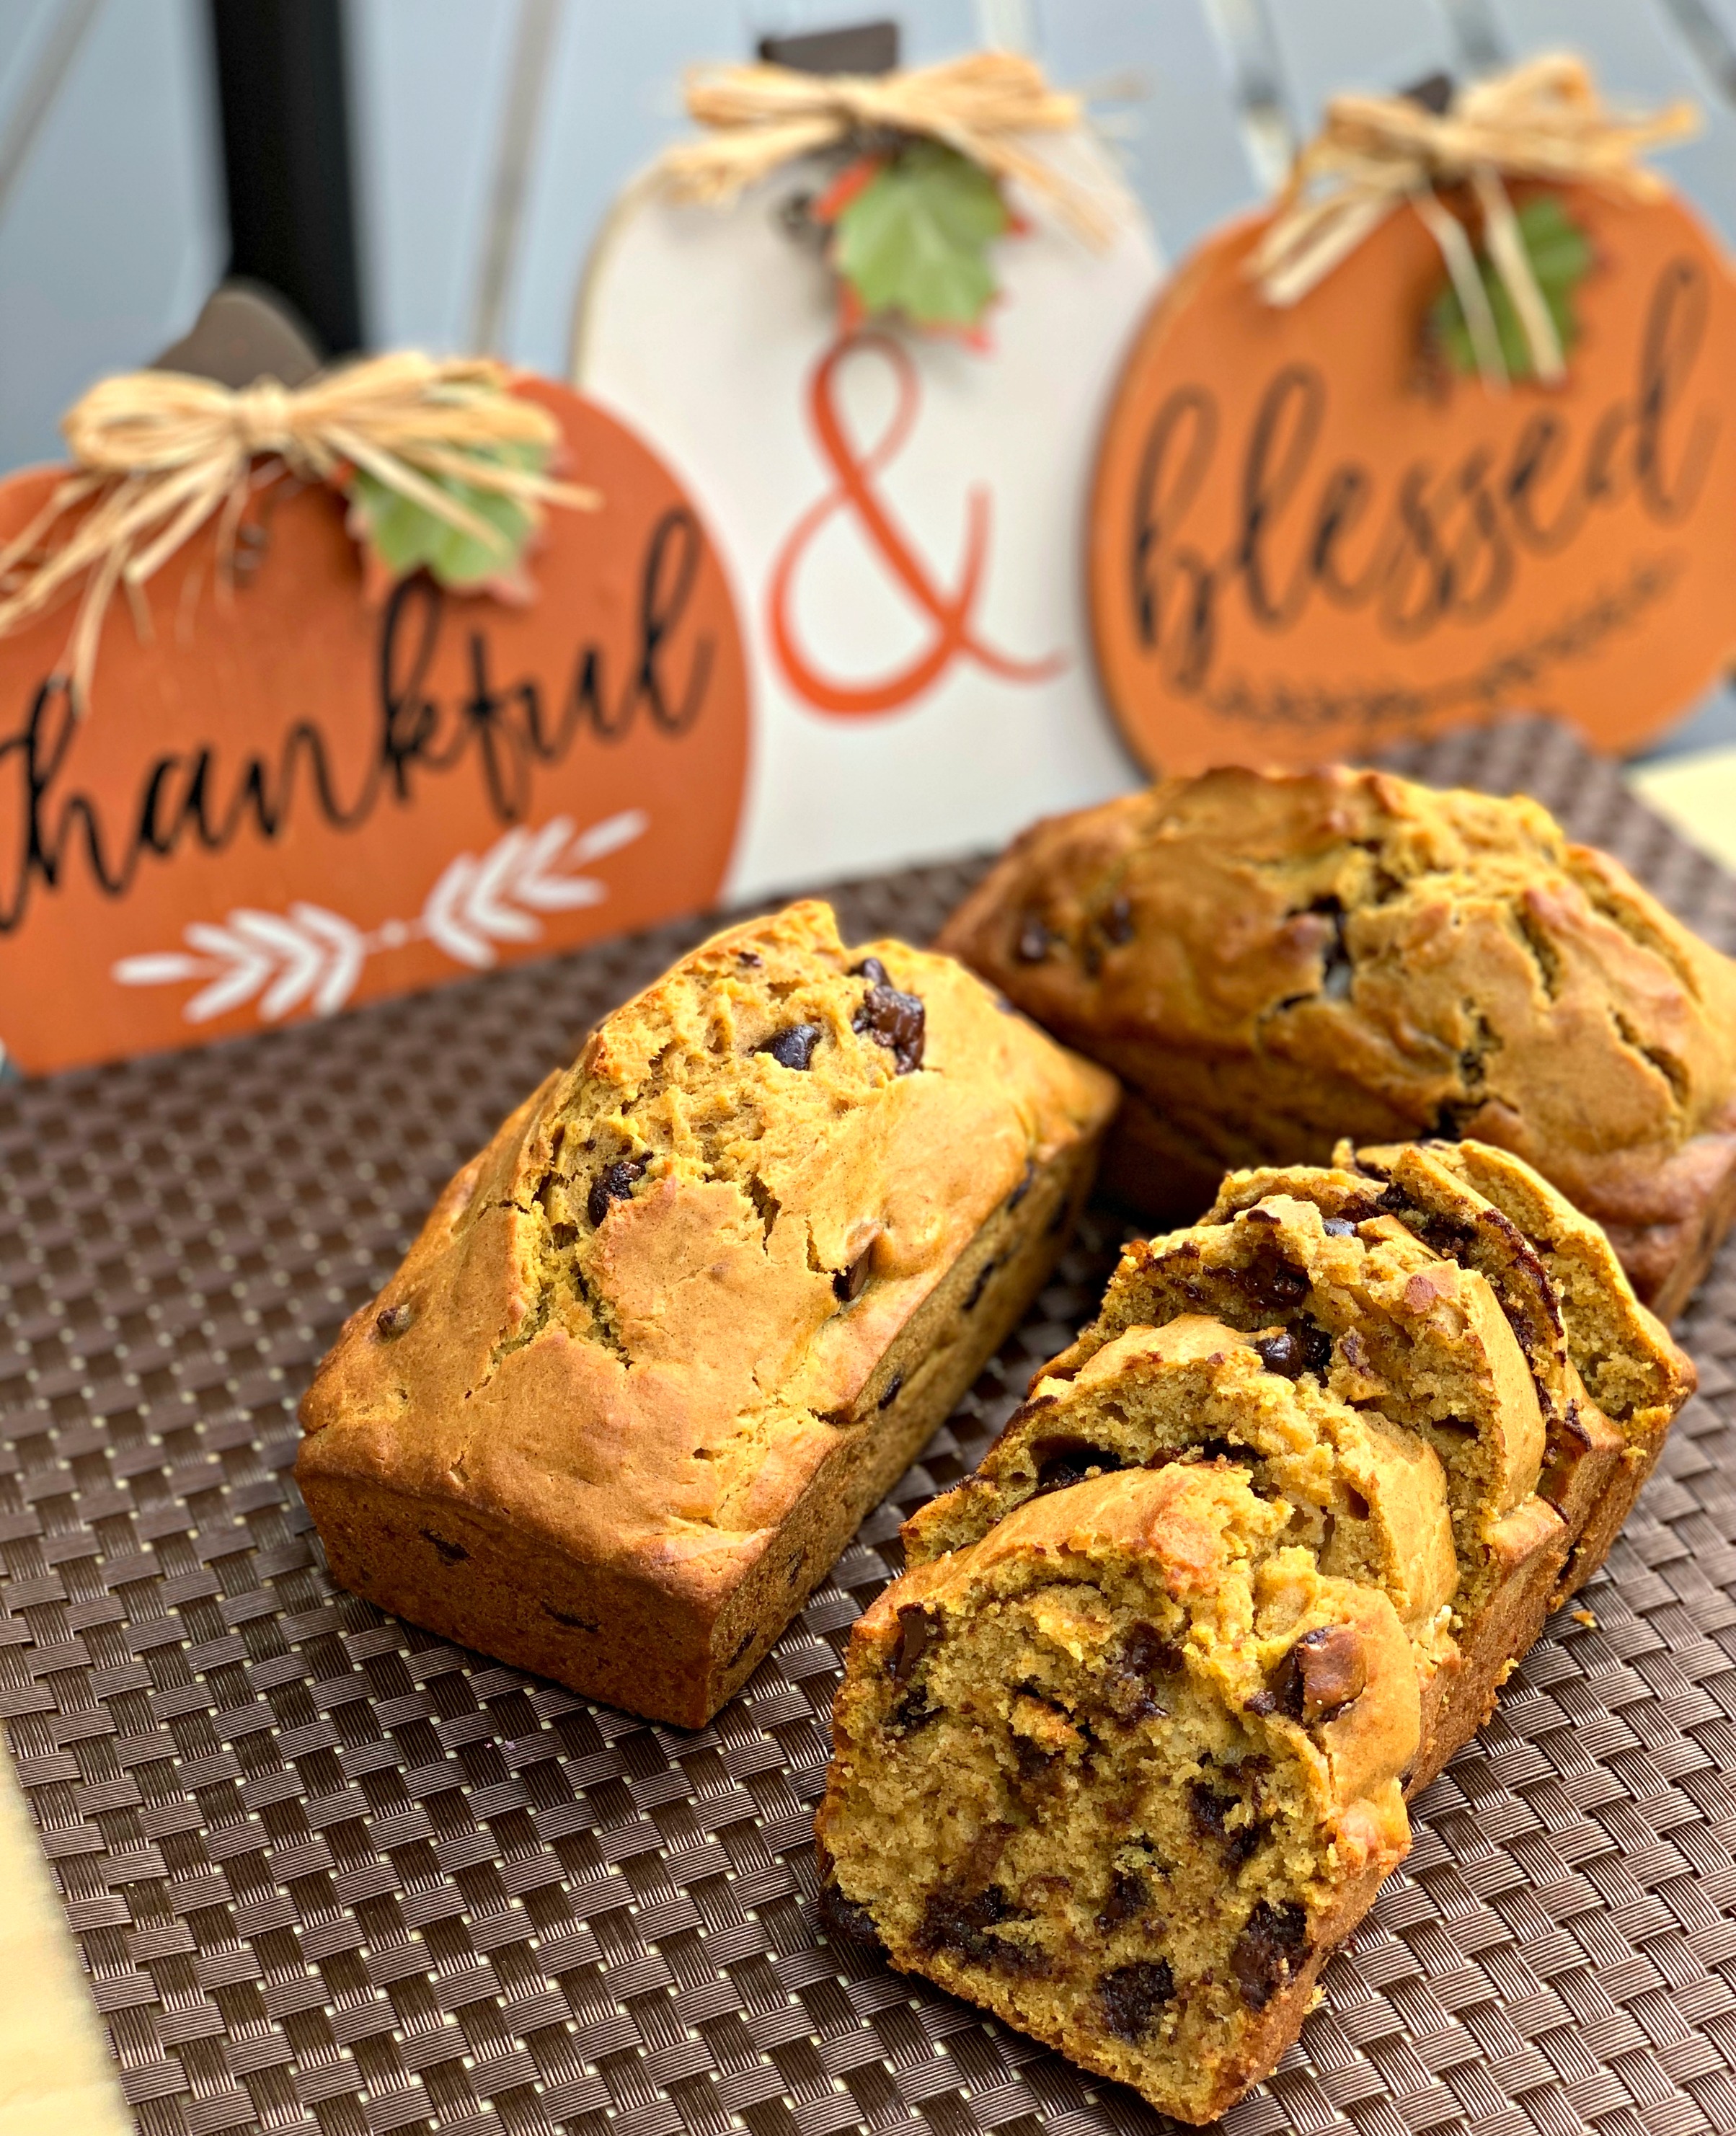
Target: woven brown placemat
[(330, 1873)]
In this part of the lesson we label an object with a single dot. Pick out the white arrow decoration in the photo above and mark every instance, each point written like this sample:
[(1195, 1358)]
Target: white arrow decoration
[(311, 957), (347, 951)]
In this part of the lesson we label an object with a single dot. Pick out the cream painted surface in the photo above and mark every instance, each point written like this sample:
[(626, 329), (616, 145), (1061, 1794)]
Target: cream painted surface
[(55, 2075), (1697, 795)]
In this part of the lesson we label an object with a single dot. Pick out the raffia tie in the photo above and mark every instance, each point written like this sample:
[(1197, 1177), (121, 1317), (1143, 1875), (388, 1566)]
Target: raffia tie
[(1375, 154), (763, 117), (158, 454)]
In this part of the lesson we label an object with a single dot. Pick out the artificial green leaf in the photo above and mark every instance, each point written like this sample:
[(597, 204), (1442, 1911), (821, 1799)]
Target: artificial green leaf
[(406, 536), (1560, 253), (914, 239)]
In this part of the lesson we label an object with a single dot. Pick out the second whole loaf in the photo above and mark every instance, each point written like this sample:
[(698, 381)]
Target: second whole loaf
[(1271, 961)]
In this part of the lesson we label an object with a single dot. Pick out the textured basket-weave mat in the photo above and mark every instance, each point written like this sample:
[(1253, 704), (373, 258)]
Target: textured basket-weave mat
[(329, 1873)]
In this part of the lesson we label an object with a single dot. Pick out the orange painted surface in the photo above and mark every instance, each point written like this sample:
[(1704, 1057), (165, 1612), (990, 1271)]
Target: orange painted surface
[(1300, 548), (289, 798)]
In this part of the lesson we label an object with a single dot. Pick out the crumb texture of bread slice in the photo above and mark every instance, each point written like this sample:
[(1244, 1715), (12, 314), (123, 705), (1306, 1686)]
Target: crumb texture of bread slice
[(1272, 961), (1369, 1498), (1392, 1324), (1628, 1379), (1123, 1772), (1417, 1187)]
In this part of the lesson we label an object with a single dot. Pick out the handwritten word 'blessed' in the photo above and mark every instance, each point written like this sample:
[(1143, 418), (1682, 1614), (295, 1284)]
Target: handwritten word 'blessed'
[(1443, 546)]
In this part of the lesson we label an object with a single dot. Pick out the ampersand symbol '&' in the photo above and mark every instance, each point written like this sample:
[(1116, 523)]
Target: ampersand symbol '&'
[(955, 634)]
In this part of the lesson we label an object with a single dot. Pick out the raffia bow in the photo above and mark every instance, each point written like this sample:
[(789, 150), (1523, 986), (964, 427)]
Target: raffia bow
[(159, 454), (762, 117), (1375, 154)]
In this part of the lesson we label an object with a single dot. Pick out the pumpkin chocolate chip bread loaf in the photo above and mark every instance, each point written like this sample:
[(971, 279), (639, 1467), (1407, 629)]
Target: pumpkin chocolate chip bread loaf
[(688, 1316), (1271, 961), (1123, 1772)]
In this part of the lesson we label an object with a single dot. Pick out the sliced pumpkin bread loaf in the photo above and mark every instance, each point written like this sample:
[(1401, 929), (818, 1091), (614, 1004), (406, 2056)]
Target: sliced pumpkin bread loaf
[(1072, 1738)]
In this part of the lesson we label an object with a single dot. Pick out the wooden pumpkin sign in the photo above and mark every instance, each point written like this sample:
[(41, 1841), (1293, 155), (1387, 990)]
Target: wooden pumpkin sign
[(1312, 536), (285, 796), (901, 512)]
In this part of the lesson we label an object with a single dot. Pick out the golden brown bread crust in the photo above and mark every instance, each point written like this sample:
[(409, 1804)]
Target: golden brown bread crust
[(1273, 961), (644, 1352), (1631, 1378)]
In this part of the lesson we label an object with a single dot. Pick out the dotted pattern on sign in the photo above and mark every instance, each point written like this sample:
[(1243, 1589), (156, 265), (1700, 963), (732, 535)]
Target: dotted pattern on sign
[(331, 1875)]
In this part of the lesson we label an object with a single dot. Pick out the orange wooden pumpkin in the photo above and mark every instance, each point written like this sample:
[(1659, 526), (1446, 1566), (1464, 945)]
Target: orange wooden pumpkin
[(286, 798), (1302, 547)]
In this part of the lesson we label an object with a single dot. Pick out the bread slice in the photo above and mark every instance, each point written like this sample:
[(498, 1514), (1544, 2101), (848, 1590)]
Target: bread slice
[(1411, 1182), (661, 1346), (1368, 1497), (1123, 1772), (1394, 1325), (1634, 1377)]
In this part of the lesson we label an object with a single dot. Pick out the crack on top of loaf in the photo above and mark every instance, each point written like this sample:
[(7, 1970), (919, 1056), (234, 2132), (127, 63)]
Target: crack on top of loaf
[(1454, 1112), (678, 1085), (1474, 1054), (1673, 1072), (1534, 938), (1624, 913)]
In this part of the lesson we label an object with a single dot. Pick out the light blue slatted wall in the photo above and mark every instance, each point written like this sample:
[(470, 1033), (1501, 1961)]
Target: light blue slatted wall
[(428, 78), (1183, 145), (1324, 45), (614, 101), (1640, 54), (111, 222)]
